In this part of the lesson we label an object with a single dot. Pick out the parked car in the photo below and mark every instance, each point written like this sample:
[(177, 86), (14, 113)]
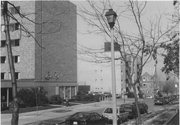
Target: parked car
[(86, 118), (122, 116), (143, 107), (165, 100), (128, 107), (131, 109), (159, 101)]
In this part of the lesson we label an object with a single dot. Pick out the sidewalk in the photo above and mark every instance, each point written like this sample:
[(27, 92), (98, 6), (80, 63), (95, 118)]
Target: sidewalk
[(158, 117)]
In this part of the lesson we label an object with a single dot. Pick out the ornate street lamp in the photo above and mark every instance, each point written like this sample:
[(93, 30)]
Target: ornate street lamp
[(111, 18)]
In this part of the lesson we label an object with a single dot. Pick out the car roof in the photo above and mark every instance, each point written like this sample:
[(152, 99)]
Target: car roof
[(80, 115), (119, 106), (126, 104)]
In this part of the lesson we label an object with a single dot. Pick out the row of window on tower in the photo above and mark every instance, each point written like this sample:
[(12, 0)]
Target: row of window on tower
[(3, 75), (14, 42), (16, 59)]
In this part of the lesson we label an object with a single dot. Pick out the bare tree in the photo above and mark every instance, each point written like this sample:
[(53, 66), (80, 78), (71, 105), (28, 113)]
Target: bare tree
[(135, 47)]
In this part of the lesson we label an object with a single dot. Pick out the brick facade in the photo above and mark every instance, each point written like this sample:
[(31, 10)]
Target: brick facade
[(49, 60)]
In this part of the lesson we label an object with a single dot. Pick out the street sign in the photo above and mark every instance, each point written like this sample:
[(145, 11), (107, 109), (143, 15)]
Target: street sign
[(107, 46)]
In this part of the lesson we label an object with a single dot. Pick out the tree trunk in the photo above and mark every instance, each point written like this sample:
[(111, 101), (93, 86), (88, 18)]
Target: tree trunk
[(138, 121), (14, 106)]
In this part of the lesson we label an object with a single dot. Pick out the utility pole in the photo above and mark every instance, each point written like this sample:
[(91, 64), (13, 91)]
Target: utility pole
[(15, 107)]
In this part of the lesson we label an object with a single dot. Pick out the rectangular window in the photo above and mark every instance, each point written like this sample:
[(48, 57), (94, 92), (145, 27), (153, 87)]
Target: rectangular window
[(3, 59), (3, 43), (16, 75), (14, 10), (2, 75), (16, 59), (15, 42), (14, 26)]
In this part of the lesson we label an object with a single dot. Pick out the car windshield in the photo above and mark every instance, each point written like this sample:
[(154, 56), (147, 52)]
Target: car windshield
[(127, 107), (80, 115), (94, 116), (109, 110)]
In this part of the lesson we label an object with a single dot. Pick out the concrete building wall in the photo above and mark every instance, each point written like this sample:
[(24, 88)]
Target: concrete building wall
[(58, 57)]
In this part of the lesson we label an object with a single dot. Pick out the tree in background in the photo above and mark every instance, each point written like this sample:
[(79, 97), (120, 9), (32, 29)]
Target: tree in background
[(135, 46), (169, 87), (171, 58)]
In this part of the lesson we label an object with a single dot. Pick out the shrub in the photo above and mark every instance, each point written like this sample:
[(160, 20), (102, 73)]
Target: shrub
[(97, 98), (27, 97), (73, 99), (141, 95), (56, 99), (40, 94), (86, 97), (130, 95), (32, 97), (4, 106)]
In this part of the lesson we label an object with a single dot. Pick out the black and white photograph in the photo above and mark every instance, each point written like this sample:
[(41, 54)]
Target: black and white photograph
[(90, 62)]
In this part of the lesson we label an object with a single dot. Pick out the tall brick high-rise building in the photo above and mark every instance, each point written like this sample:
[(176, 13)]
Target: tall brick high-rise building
[(50, 58)]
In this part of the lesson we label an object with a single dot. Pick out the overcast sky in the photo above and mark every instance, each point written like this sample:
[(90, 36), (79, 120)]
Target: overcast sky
[(99, 75)]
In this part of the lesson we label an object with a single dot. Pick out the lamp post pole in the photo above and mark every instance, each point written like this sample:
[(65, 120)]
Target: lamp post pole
[(111, 17), (113, 78)]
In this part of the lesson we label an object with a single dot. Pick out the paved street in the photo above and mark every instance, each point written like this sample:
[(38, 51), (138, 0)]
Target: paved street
[(61, 113), (36, 116)]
